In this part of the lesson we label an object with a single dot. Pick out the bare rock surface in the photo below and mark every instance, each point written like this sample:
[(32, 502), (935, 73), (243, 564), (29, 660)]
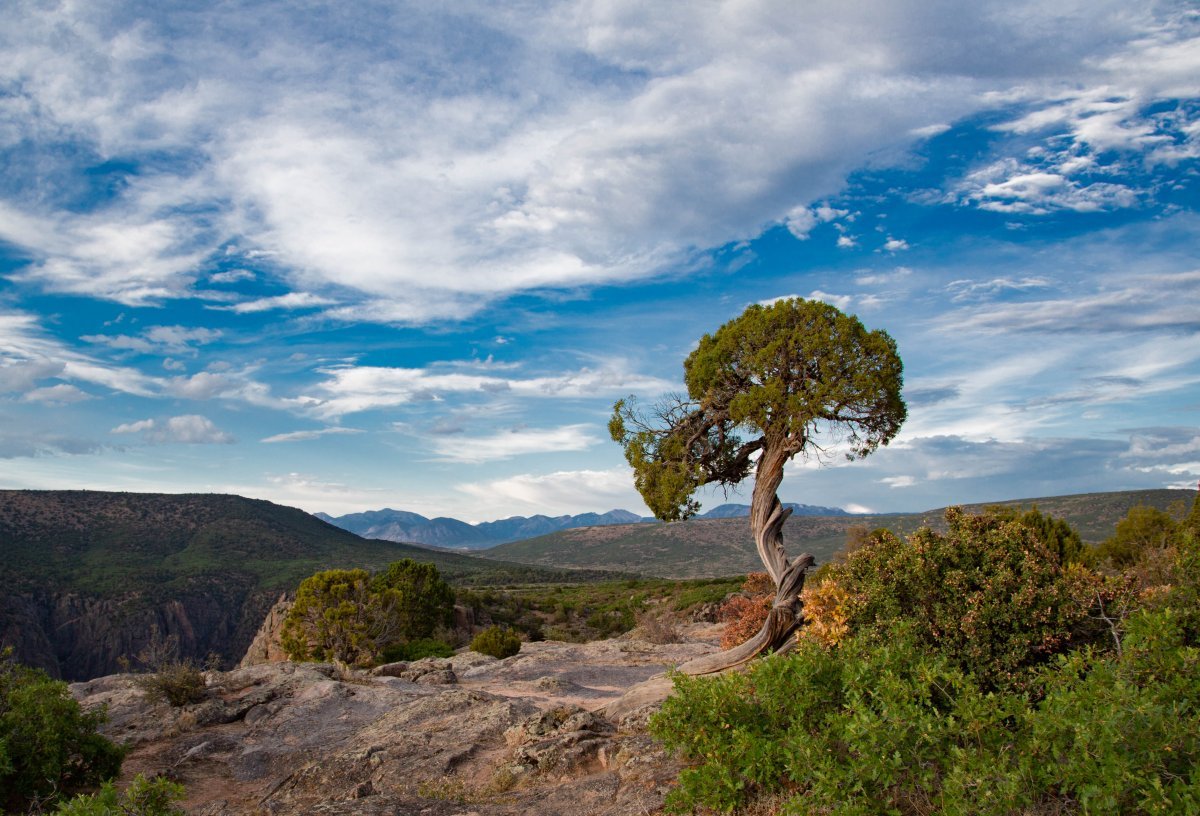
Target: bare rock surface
[(466, 735)]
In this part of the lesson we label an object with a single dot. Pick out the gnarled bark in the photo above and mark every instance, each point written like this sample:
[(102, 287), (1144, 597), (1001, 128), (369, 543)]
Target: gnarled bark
[(767, 517)]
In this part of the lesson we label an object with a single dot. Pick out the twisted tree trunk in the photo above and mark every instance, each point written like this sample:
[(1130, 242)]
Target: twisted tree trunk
[(767, 517)]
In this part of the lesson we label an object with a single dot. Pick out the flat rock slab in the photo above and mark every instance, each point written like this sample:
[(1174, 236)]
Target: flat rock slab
[(490, 737)]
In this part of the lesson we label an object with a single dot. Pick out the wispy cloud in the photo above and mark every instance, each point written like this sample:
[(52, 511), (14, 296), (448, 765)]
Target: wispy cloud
[(517, 442), (305, 436), (553, 493), (351, 389), (434, 194)]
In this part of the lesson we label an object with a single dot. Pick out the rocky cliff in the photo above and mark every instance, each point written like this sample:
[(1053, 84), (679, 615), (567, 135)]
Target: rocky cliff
[(76, 636)]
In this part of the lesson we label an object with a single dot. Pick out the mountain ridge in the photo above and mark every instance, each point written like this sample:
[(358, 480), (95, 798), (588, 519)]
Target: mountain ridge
[(450, 533)]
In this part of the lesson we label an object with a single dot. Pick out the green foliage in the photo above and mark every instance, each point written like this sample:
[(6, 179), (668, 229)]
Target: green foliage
[(788, 375), (889, 727), (49, 747), (989, 595), (496, 641), (1056, 534), (143, 797), (415, 597), (334, 617), (895, 721), (178, 683), (351, 616), (416, 649), (1143, 528)]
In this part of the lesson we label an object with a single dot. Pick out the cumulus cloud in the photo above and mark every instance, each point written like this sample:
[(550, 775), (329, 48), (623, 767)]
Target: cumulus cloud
[(191, 429), (1008, 186)]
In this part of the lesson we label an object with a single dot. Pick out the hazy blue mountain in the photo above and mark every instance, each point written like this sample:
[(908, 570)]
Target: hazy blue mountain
[(738, 510), (400, 525)]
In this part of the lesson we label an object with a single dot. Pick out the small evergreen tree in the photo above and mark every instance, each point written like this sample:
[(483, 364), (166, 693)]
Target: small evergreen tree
[(351, 616)]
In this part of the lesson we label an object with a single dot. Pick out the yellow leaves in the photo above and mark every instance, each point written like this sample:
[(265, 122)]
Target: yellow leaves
[(827, 612)]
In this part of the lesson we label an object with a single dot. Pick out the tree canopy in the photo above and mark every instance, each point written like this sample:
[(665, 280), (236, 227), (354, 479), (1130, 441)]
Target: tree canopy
[(796, 377), (790, 378)]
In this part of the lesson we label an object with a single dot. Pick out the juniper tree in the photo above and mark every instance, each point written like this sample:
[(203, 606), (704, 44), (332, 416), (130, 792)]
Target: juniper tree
[(795, 378)]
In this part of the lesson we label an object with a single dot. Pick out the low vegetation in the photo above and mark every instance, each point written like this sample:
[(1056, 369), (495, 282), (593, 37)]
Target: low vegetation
[(497, 641), (143, 797), (49, 747), (355, 617), (584, 612), (986, 670)]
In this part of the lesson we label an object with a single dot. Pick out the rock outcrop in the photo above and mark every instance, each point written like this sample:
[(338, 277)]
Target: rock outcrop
[(470, 734)]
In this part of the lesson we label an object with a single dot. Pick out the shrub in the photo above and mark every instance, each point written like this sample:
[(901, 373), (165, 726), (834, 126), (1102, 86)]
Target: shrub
[(414, 600), (746, 612), (417, 649), (49, 747), (657, 628), (989, 594), (143, 797), (178, 683), (347, 615), (886, 726), (1143, 528), (497, 642)]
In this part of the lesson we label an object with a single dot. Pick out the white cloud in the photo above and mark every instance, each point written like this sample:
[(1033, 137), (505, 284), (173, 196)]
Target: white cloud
[(898, 481), (842, 302), (304, 436), (60, 394), (581, 144), (292, 300), (964, 289), (191, 429), (134, 427), (1008, 186), (846, 241), (895, 244), (554, 493), (158, 340), (231, 276), (349, 389), (517, 442)]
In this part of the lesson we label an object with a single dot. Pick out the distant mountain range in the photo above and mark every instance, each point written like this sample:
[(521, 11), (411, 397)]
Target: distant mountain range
[(413, 528)]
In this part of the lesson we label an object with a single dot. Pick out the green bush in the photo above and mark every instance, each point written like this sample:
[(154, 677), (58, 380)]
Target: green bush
[(143, 797), (417, 649), (894, 720), (497, 642), (1143, 528), (351, 616), (889, 727), (49, 747), (989, 594), (177, 683)]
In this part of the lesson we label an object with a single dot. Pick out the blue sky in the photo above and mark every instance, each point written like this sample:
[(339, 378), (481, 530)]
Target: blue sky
[(348, 256)]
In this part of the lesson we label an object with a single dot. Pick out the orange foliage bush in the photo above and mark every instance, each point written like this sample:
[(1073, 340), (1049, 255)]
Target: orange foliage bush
[(826, 613), (745, 613)]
